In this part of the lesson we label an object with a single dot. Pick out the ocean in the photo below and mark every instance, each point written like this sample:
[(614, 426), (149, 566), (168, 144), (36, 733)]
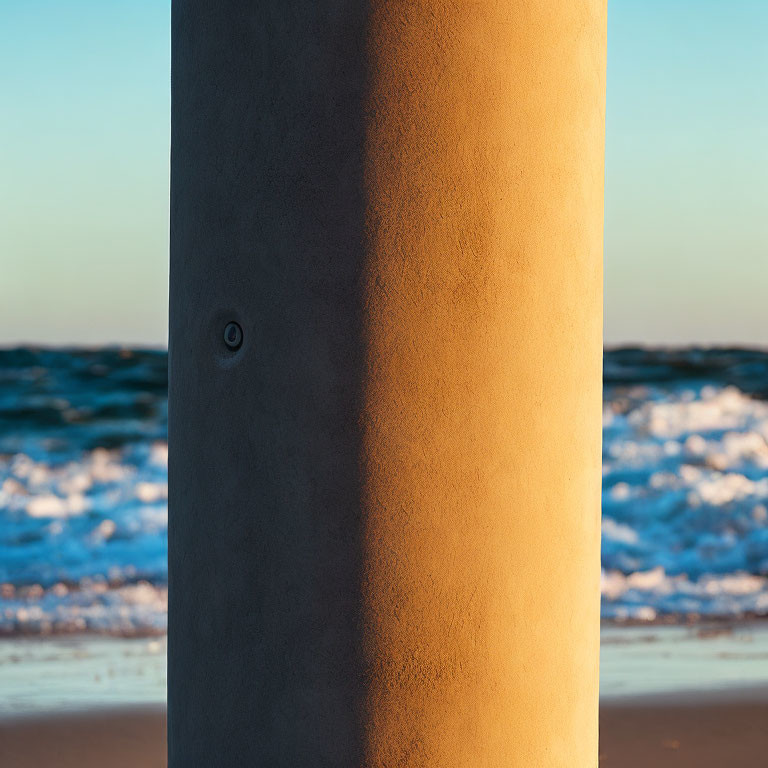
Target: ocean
[(83, 488)]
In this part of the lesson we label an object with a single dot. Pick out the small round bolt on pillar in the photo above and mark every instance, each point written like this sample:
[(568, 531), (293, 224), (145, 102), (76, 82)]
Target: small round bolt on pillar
[(233, 336)]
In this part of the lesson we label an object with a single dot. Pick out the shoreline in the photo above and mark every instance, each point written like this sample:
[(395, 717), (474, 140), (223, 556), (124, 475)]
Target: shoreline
[(75, 672), (686, 730), (685, 696)]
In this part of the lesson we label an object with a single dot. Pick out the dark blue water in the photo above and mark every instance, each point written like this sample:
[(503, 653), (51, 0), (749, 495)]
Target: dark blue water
[(83, 490), (83, 487)]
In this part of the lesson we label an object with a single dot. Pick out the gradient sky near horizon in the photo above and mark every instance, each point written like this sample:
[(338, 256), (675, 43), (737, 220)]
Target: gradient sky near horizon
[(84, 134)]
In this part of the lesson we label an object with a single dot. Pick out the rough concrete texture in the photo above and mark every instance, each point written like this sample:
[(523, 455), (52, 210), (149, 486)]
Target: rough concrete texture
[(384, 534)]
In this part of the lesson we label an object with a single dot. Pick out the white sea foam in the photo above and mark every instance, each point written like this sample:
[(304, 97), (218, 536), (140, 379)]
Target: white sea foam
[(685, 503), (83, 542)]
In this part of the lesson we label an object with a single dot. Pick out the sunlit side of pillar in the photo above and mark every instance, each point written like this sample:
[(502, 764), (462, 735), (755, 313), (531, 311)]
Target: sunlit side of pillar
[(483, 389)]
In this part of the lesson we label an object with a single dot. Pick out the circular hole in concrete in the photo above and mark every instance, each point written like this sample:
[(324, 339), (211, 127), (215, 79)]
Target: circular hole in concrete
[(233, 335)]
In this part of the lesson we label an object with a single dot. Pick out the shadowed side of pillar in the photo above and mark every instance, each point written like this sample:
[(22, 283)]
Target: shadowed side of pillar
[(267, 226)]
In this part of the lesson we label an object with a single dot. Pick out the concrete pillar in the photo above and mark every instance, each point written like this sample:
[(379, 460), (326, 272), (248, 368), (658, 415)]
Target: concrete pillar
[(384, 503)]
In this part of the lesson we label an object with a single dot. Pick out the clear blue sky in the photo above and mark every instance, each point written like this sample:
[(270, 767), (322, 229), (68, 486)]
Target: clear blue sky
[(84, 129)]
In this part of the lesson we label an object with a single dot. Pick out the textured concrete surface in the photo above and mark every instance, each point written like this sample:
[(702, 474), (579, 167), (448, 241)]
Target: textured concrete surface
[(384, 534)]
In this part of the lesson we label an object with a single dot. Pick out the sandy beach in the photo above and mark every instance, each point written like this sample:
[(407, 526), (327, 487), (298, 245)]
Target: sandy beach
[(120, 738), (694, 731), (710, 731)]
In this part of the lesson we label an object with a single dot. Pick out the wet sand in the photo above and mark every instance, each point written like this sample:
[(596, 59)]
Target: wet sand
[(697, 731), (123, 738), (702, 730)]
